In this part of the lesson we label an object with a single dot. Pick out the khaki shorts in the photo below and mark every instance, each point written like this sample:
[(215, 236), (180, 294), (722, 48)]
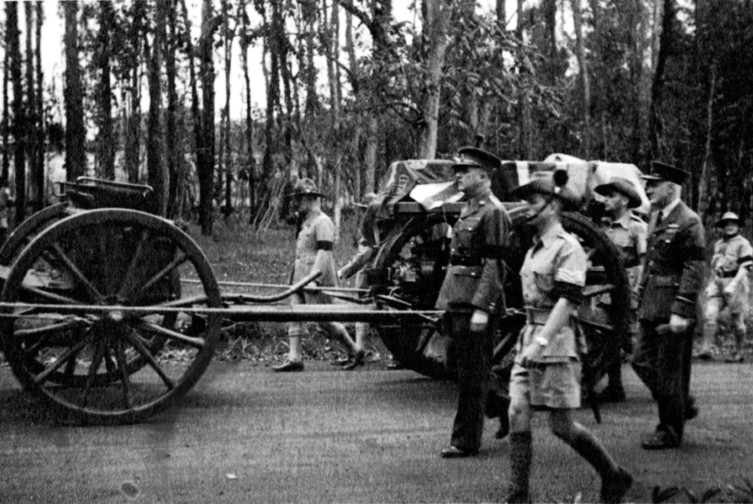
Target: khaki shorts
[(555, 385)]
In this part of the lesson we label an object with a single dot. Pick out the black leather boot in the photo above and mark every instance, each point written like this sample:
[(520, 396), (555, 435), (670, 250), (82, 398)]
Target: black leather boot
[(521, 454)]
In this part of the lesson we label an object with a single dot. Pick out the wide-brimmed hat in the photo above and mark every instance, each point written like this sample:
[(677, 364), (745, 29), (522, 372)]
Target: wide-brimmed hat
[(727, 217), (664, 171), (305, 187), (473, 157), (550, 183), (622, 186)]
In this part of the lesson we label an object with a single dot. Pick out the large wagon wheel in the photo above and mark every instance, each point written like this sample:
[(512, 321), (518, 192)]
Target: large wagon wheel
[(22, 236), (100, 365), (413, 273)]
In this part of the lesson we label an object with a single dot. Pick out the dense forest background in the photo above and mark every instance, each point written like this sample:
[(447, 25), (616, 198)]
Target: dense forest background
[(348, 88)]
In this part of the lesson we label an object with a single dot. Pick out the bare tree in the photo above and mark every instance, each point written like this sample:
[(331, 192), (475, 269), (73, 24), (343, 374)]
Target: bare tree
[(19, 118), (105, 140), (156, 169), (75, 130), (583, 72)]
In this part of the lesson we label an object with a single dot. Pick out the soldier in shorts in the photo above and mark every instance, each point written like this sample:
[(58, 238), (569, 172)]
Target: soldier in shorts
[(314, 251), (728, 286), (546, 373)]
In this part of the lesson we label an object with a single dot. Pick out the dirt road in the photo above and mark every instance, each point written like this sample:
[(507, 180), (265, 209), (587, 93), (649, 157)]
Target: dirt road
[(245, 434)]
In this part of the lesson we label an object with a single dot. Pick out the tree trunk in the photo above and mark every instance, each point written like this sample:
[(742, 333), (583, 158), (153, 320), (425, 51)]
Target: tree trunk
[(584, 80), (249, 136), (156, 169), (32, 123), (75, 131), (105, 140), (665, 39), (19, 118), (350, 49), (229, 35), (206, 148), (4, 176), (198, 128), (132, 153), (38, 166), (703, 182), (438, 14), (174, 160)]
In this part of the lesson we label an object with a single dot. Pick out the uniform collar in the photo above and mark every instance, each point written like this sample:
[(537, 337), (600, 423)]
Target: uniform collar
[(550, 235), (730, 237), (477, 201), (668, 209), (623, 221), (313, 213)]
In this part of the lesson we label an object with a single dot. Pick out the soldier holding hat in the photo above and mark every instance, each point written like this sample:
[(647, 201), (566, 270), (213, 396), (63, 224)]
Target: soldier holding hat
[(627, 232), (546, 372), (728, 285), (472, 294), (314, 251), (672, 278)]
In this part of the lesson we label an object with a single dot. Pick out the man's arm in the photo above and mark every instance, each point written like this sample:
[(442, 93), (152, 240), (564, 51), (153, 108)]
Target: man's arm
[(692, 249)]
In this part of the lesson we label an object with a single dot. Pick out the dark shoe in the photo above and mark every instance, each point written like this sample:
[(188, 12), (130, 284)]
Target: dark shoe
[(355, 361), (455, 452), (660, 441), (504, 427), (611, 395), (705, 355), (691, 410), (615, 488), (517, 497), (393, 364), (288, 367), (736, 358)]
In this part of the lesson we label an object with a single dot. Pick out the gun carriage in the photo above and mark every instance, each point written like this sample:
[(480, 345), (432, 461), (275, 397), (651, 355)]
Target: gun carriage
[(96, 288)]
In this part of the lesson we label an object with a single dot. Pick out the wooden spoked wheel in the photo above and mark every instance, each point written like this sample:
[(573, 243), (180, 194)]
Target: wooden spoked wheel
[(31, 227), (411, 266), (78, 347)]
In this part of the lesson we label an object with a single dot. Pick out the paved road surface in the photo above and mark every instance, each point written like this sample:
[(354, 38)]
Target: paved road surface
[(245, 434)]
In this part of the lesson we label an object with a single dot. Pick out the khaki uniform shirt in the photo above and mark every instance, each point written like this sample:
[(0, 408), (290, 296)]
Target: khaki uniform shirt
[(629, 235), (479, 239), (555, 263), (730, 254), (317, 229)]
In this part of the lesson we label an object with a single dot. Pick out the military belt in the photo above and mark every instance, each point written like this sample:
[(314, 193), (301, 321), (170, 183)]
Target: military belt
[(458, 260), (537, 316)]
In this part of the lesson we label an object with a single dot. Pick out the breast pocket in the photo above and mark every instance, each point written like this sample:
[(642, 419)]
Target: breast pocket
[(543, 277)]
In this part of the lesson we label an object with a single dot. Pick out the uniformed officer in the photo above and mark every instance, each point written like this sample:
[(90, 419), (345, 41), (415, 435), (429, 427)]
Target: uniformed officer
[(728, 285), (672, 278), (472, 293), (546, 372), (314, 251), (627, 232)]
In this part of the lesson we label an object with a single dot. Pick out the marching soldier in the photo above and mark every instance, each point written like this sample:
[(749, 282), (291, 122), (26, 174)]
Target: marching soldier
[(314, 251), (472, 294), (546, 373), (728, 285), (627, 232), (672, 278)]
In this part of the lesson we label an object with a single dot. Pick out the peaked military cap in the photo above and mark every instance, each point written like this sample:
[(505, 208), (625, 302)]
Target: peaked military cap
[(727, 217), (550, 183), (305, 187), (473, 157), (622, 186), (664, 171)]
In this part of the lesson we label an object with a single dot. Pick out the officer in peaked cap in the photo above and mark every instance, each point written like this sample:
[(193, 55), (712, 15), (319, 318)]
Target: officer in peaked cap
[(671, 281), (474, 157), (728, 286), (472, 296)]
